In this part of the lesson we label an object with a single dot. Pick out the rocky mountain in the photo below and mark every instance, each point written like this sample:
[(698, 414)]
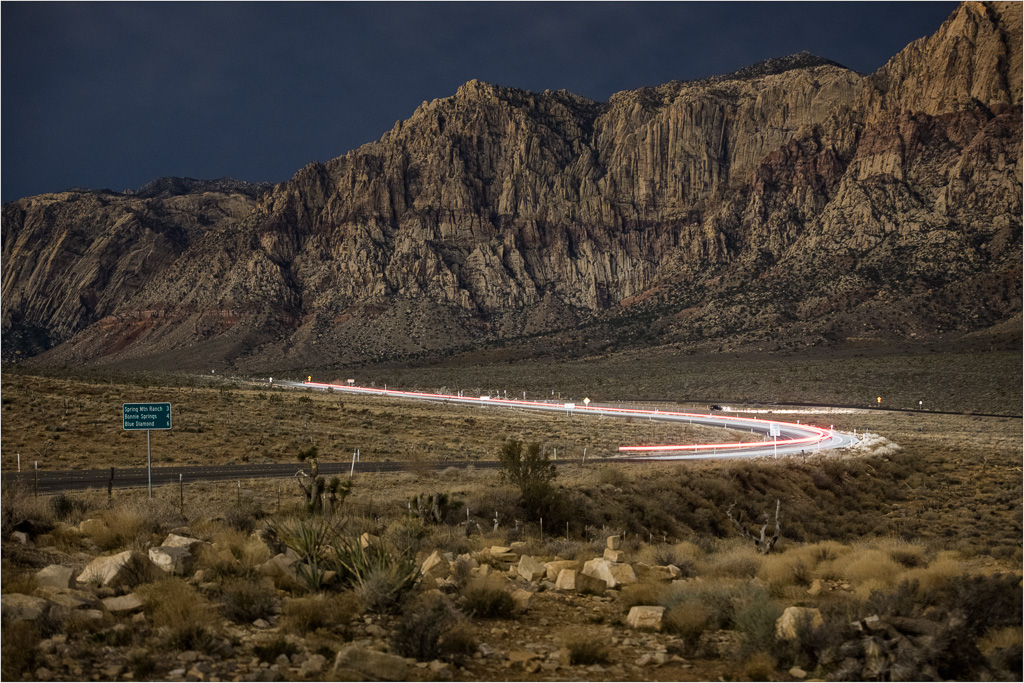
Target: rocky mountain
[(792, 203)]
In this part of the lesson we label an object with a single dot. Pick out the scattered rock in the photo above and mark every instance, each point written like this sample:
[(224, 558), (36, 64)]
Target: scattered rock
[(19, 607), (367, 540), (54, 576), (367, 663), (613, 573), (786, 625), (312, 666), (551, 569), (124, 604), (175, 560), (614, 555), (20, 537), (522, 598), (614, 542), (798, 673), (645, 617), (530, 569), (434, 567), (124, 570)]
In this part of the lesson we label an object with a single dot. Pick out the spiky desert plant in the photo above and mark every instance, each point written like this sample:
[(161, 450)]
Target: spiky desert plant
[(379, 575)]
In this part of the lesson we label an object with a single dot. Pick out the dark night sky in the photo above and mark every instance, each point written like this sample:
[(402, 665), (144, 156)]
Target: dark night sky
[(116, 94)]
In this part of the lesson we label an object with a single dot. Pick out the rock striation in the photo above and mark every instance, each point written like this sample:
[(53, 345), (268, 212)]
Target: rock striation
[(794, 197)]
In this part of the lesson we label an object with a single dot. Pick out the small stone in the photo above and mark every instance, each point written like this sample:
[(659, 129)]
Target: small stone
[(614, 542), (261, 623), (530, 569), (613, 555), (797, 672), (644, 659)]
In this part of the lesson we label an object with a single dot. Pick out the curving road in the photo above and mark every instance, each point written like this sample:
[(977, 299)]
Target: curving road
[(793, 439)]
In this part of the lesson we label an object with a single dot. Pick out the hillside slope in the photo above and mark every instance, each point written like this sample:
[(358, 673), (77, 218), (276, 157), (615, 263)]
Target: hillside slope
[(791, 203)]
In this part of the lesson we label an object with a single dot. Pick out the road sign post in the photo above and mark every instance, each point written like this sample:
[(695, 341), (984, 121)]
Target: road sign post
[(146, 416), (773, 431)]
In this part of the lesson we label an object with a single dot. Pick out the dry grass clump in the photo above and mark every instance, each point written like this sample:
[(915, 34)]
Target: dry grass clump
[(760, 666), (585, 650), (733, 561), (307, 614), (245, 601), (1001, 638), (688, 620), (645, 593), (431, 628), (248, 550), (176, 606), (906, 554), (944, 569), (14, 579), (784, 570), (487, 598)]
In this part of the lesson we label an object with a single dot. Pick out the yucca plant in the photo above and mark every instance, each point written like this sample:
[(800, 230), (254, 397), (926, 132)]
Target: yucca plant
[(379, 575), (310, 539)]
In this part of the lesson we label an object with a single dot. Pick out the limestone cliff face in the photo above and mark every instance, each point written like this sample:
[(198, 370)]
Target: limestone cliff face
[(792, 195)]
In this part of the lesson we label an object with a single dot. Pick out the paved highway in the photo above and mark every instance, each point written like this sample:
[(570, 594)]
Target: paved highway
[(792, 439)]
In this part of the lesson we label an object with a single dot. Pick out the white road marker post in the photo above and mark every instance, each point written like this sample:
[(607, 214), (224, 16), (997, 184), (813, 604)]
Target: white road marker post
[(19, 462), (149, 465)]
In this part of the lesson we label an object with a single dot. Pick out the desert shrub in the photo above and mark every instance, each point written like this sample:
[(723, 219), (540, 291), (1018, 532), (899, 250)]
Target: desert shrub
[(487, 599), (141, 663), (783, 570), (863, 565), (420, 631), (934, 576), (126, 526), (244, 517), (67, 509), (740, 562), (19, 654), (246, 601), (14, 579), (175, 605), (270, 651), (406, 534), (172, 603), (306, 614), (532, 472), (568, 549), (379, 576), (449, 540), (18, 504), (612, 475), (688, 620), (462, 570), (760, 666), (644, 593), (585, 650), (905, 554), (756, 622)]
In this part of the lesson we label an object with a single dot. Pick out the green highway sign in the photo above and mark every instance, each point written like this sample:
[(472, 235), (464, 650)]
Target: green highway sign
[(146, 415)]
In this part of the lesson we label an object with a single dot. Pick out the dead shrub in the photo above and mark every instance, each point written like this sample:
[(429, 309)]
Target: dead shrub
[(644, 593), (585, 650), (174, 604), (688, 621)]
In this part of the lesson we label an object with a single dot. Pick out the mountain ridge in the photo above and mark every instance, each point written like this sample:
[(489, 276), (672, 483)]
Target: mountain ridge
[(694, 213)]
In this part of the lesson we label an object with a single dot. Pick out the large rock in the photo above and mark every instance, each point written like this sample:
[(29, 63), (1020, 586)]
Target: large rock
[(645, 617), (178, 561), (530, 568), (435, 567), (552, 569), (573, 580), (124, 570), (612, 573), (786, 626), (355, 662), (192, 545), (280, 568), (123, 604), (19, 607), (54, 576)]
